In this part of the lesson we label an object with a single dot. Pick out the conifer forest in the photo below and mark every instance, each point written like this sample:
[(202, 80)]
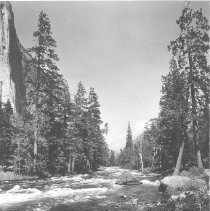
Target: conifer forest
[(58, 137)]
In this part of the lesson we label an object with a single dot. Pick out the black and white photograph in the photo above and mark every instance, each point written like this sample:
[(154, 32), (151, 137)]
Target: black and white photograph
[(104, 105)]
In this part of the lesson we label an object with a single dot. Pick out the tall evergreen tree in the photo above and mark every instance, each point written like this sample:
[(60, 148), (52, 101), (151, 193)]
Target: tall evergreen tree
[(112, 158), (80, 127), (126, 156), (174, 116), (44, 85), (96, 139), (190, 50), (129, 141), (152, 145), (129, 152)]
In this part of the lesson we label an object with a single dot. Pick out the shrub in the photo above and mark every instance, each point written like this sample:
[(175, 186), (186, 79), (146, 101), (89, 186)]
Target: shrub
[(8, 175), (191, 196), (196, 171), (186, 201), (185, 173)]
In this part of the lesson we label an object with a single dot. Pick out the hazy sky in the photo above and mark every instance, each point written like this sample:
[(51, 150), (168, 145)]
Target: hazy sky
[(119, 48)]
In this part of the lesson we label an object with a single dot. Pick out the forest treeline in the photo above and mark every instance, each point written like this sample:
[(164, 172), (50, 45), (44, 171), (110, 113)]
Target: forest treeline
[(59, 133), (179, 137), (55, 134)]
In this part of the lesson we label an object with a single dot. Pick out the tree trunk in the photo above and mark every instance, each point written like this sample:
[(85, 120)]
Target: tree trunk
[(73, 163), (153, 158), (199, 160), (37, 89), (88, 164), (194, 112), (179, 160), (18, 164), (69, 165), (35, 149), (141, 160), (1, 85), (140, 155), (195, 128), (19, 168)]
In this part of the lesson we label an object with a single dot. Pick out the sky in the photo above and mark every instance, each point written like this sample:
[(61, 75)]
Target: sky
[(119, 48)]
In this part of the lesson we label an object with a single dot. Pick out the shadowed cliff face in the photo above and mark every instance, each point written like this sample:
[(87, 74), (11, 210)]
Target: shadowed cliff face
[(11, 61)]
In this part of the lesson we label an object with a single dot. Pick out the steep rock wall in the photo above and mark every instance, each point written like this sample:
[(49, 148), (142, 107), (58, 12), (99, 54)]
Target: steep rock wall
[(12, 85)]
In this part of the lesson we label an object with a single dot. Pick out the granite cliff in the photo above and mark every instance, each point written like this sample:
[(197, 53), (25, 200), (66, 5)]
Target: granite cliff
[(12, 85)]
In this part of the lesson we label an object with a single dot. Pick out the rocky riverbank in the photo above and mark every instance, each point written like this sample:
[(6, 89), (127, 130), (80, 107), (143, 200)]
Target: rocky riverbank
[(102, 191), (80, 192)]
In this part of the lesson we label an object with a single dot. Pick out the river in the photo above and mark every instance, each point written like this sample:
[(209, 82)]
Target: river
[(81, 192)]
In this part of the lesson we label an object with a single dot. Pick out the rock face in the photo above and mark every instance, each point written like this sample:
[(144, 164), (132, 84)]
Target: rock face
[(12, 86)]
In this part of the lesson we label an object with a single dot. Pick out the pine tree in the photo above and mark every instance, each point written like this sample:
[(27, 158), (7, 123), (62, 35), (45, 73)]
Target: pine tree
[(190, 50), (64, 124), (152, 145), (138, 154), (23, 146), (127, 159), (96, 139), (112, 158), (80, 128), (174, 116), (88, 145), (129, 141), (44, 87), (6, 131)]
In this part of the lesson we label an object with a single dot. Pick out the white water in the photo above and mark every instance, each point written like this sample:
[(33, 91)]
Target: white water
[(147, 182), (76, 188), (18, 194), (68, 189)]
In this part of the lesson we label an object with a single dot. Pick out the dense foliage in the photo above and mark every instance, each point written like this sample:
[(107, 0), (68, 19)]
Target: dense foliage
[(179, 137), (59, 135), (126, 156), (55, 134)]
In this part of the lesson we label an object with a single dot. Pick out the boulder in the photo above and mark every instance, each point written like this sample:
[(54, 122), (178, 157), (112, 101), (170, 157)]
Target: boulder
[(176, 182), (122, 196), (162, 187), (126, 178), (183, 183)]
